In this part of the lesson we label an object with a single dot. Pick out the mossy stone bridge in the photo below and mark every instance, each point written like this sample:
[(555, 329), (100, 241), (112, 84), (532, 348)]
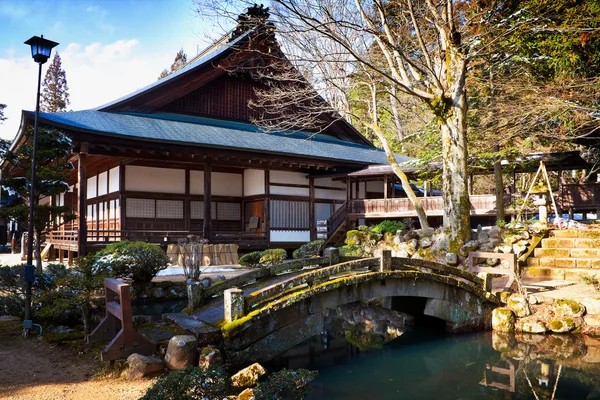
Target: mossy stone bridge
[(273, 311)]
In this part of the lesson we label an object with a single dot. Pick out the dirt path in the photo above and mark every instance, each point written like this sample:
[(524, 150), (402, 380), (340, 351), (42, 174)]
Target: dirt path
[(31, 369)]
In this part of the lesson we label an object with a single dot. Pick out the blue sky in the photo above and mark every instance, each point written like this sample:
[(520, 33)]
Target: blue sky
[(108, 47)]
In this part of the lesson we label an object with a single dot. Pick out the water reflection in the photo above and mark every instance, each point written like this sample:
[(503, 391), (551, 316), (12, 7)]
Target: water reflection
[(422, 363)]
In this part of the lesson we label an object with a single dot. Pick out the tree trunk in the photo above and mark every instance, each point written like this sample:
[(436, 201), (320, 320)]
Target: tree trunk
[(86, 316), (403, 178), (499, 185)]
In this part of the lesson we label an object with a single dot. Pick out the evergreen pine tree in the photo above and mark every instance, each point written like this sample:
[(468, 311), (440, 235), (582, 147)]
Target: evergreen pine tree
[(2, 117), (55, 92), (52, 169)]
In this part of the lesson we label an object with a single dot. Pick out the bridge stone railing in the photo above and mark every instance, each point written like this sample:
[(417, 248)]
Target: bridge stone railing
[(197, 294), (237, 305)]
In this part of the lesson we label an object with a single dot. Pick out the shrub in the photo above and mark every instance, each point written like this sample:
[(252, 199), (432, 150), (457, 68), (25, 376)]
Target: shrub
[(347, 251), (251, 260), (191, 383), (388, 226), (139, 261), (12, 305), (285, 385), (272, 257), (308, 250)]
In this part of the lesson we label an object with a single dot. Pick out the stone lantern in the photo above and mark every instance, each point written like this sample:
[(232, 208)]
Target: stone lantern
[(540, 197)]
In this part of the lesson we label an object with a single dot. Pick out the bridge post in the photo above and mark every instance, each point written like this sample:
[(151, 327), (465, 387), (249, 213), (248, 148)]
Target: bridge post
[(233, 304), (487, 281), (386, 261), (334, 256)]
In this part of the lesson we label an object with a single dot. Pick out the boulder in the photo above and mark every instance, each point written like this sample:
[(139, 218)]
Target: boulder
[(503, 296), (518, 249), (483, 237), (491, 262), (591, 304), (519, 305), (505, 249), (523, 242), (425, 242), (249, 376), (592, 320), (427, 232), (140, 366), (531, 325), (562, 325), (402, 254), (503, 320), (525, 235), (511, 240), (181, 351), (210, 357), (495, 232), (441, 243), (220, 278), (494, 242), (247, 394), (568, 308), (451, 259), (397, 240), (471, 245)]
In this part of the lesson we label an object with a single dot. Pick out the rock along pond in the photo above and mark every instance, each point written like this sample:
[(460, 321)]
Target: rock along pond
[(355, 362)]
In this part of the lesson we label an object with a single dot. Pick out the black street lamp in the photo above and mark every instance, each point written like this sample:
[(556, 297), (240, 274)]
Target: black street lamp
[(40, 51)]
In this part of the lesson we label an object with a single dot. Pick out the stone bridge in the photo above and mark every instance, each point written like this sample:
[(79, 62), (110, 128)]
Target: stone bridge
[(263, 320)]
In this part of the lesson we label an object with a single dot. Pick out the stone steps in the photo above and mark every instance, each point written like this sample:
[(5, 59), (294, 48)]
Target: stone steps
[(565, 255)]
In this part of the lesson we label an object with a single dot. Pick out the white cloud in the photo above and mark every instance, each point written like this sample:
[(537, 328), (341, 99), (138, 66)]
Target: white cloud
[(96, 74)]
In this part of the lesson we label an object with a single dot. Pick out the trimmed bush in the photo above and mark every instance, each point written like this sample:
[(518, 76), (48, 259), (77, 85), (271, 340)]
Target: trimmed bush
[(272, 257), (251, 260), (309, 250), (387, 226), (139, 261), (285, 385), (191, 383)]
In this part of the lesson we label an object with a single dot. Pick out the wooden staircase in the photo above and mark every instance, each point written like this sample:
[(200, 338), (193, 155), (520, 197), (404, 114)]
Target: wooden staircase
[(565, 255), (337, 225)]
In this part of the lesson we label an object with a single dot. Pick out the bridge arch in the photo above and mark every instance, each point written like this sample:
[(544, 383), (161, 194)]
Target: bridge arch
[(277, 324)]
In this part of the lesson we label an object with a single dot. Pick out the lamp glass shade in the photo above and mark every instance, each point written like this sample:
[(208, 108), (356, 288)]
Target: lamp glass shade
[(41, 48)]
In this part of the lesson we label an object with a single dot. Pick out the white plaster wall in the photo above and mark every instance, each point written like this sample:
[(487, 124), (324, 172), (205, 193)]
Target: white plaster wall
[(113, 176), (289, 191), (151, 179), (91, 187), (44, 200), (224, 184), (297, 178), (254, 182), (290, 236), (102, 183), (197, 182), (375, 187), (330, 194), (328, 182)]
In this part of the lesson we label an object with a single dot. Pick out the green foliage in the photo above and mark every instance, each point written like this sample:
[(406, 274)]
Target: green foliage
[(12, 304), (265, 258), (272, 257), (348, 251), (55, 92), (191, 383), (52, 170), (251, 260), (285, 385), (139, 261), (309, 250), (387, 227)]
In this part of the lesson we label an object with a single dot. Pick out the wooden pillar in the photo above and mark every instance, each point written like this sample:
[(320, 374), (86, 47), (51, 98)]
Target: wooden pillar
[(266, 205), (81, 200), (122, 202), (311, 209), (207, 227), (186, 202), (348, 190), (513, 186), (385, 192), (356, 190), (425, 189), (393, 186)]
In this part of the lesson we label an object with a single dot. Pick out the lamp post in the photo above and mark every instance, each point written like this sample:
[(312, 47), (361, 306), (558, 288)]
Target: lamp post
[(40, 51)]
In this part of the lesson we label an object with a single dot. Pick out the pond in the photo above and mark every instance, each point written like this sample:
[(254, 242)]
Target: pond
[(425, 363)]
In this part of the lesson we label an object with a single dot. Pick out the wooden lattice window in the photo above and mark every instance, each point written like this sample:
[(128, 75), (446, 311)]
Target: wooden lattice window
[(289, 214), (140, 208), (229, 211), (169, 209)]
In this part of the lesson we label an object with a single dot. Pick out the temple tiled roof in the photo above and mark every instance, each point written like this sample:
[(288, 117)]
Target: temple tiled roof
[(212, 133)]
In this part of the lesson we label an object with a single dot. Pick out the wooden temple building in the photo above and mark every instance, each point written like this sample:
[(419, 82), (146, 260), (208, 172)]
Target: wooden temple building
[(181, 156)]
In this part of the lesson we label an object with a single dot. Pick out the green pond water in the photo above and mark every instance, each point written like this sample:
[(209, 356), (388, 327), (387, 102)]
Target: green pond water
[(423, 363)]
